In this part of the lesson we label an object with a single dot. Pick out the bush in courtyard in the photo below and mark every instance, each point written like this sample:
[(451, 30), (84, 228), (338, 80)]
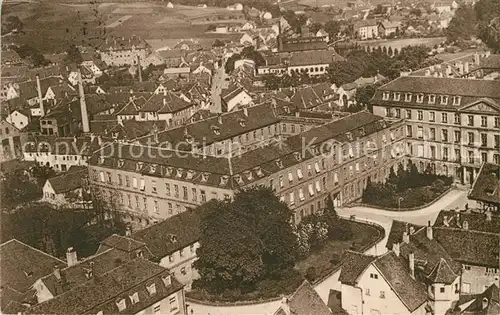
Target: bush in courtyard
[(311, 274)]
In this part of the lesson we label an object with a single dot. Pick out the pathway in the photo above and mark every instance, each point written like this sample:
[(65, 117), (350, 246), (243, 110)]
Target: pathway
[(453, 199)]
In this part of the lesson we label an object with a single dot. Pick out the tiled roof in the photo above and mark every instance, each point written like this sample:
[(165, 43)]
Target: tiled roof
[(486, 187), (172, 234), (299, 46), (28, 89), (442, 273), (62, 145), (124, 243), (353, 265), (397, 230), (117, 43), (492, 295), (67, 181), (75, 275), (103, 290), (21, 265), (305, 301), (171, 53), (165, 103), (445, 86), (412, 293), (305, 58), (470, 247), (475, 221), (491, 62)]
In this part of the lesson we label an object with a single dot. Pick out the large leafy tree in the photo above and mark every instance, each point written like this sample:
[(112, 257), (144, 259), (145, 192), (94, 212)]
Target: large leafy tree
[(245, 241), (487, 12), (463, 25), (73, 55)]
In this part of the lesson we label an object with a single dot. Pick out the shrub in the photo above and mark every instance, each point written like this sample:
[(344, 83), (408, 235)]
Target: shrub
[(340, 231), (311, 274), (335, 259)]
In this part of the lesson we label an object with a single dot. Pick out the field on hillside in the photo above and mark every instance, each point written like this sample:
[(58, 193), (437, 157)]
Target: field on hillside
[(51, 27)]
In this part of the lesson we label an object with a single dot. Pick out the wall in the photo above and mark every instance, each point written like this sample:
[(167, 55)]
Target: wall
[(182, 266), (477, 278)]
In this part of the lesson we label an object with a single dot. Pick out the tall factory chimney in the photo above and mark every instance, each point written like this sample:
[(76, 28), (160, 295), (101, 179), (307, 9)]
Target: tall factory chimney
[(83, 105), (139, 69), (40, 97)]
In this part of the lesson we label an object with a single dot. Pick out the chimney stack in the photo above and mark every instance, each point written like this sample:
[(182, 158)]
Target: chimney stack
[(466, 67), (484, 303), (128, 231), (476, 58), (429, 230), (71, 257), (411, 260), (83, 104), (445, 221), (285, 305), (406, 237), (245, 111), (395, 249), (219, 119), (139, 69), (465, 225), (412, 230), (57, 272), (40, 97)]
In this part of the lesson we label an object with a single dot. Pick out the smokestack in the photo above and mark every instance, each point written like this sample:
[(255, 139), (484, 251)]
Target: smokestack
[(128, 231), (395, 249), (429, 230), (40, 97), (57, 272), (411, 260), (83, 104), (71, 257), (139, 69), (406, 237), (245, 111)]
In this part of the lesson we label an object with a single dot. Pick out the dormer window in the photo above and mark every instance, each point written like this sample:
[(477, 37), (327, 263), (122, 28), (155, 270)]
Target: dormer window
[(179, 173), (167, 280), (100, 160), (362, 131), (121, 304), (279, 163), (120, 163), (204, 177), (151, 288), (444, 99), (152, 168), (397, 96), (249, 175), (223, 180), (189, 139), (134, 298), (242, 122), (138, 166), (456, 100), (420, 98), (239, 179), (349, 136), (259, 172), (168, 171), (432, 99), (216, 130), (298, 156), (407, 97), (190, 174), (385, 96)]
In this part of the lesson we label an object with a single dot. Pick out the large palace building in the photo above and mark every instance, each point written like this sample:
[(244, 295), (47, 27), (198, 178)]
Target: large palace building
[(452, 124), (149, 183)]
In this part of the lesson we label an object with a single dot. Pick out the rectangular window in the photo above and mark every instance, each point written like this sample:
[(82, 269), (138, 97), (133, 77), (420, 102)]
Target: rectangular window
[(311, 190), (143, 185), (157, 308), (153, 187), (184, 193), (120, 180), (432, 116), (127, 181), (497, 122), (382, 294), (445, 154), (385, 96), (194, 193), (470, 120), (398, 113), (471, 138), (408, 114), (444, 135), (101, 175), (432, 134), (157, 208), (299, 174), (301, 194), (316, 167), (290, 177), (471, 157), (458, 156), (420, 132), (497, 141), (433, 152), (444, 118), (484, 121), (484, 157), (484, 140), (134, 182), (420, 115), (167, 189), (409, 131), (203, 196), (176, 191), (458, 136), (292, 198), (281, 181), (457, 120)]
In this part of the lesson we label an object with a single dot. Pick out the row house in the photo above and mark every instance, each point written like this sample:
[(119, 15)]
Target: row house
[(453, 125), (12, 141), (172, 243), (60, 153), (417, 276), (168, 107), (66, 189), (123, 51), (472, 239), (110, 282), (149, 183)]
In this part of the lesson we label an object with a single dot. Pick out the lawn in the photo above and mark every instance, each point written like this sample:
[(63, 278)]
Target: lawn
[(323, 261)]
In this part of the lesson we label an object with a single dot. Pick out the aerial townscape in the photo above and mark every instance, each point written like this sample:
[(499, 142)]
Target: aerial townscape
[(250, 157)]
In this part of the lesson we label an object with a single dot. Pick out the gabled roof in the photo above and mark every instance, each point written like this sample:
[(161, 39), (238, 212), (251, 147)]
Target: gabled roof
[(124, 243), (67, 181), (103, 290), (397, 230), (165, 103), (442, 273), (353, 265), (304, 301), (314, 57), (491, 296), (394, 270), (21, 265), (122, 43), (486, 187), (172, 234)]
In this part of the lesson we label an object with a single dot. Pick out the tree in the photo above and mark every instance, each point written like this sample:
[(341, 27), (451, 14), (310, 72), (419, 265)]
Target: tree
[(73, 55), (379, 9), (332, 28), (416, 12), (245, 241), (369, 194), (488, 22), (32, 55), (17, 188), (229, 67), (463, 24), (218, 43), (12, 23), (365, 94), (315, 27)]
